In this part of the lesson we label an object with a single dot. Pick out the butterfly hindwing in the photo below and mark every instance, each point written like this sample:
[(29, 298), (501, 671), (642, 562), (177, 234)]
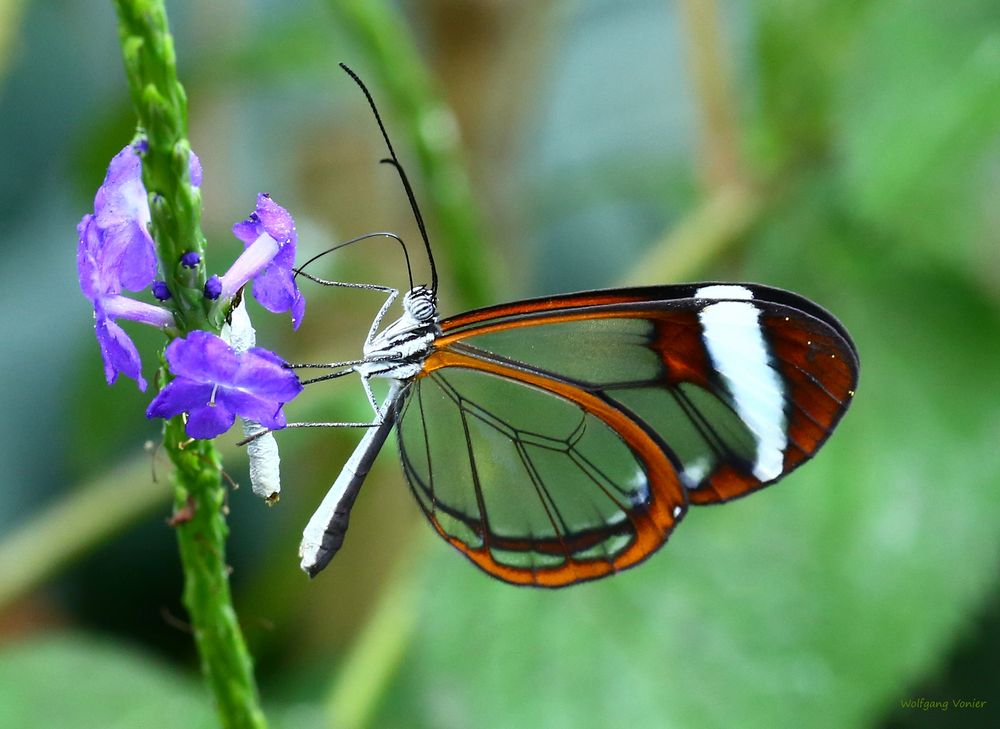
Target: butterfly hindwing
[(534, 482)]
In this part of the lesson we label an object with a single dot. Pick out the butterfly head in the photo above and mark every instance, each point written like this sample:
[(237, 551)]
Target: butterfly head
[(420, 303)]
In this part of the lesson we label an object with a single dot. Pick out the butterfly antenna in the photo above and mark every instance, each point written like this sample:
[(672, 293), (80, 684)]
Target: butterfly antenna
[(352, 241), (394, 161)]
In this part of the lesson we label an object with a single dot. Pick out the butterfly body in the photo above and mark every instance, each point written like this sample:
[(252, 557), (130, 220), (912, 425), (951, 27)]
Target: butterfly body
[(399, 350)]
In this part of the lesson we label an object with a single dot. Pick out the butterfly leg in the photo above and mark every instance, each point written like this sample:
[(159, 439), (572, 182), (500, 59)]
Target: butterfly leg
[(377, 321), (391, 294), (346, 368), (365, 383), (343, 368)]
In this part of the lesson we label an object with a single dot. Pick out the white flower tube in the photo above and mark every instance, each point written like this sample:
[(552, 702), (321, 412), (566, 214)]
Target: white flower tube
[(265, 478)]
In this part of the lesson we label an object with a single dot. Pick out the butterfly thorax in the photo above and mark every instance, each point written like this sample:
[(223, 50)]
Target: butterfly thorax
[(399, 350)]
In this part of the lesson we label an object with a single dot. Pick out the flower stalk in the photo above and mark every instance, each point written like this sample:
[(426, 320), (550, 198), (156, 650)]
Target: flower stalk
[(161, 106), (201, 536), (175, 204)]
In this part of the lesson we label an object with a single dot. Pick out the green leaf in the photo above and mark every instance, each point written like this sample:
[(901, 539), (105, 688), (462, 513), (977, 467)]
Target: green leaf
[(801, 49), (919, 120), (70, 681)]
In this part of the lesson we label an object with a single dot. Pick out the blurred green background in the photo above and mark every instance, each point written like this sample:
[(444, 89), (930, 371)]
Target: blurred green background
[(846, 149)]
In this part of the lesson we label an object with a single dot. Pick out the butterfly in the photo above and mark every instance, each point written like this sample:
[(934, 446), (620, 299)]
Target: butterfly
[(562, 439)]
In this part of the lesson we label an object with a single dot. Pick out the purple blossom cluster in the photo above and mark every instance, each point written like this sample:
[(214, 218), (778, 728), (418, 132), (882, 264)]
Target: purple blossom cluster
[(115, 253), (212, 382)]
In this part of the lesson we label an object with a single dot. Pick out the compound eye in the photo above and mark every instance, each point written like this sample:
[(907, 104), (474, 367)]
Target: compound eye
[(421, 306), (423, 310)]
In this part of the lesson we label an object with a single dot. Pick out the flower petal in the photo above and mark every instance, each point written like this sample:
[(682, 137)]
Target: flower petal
[(122, 196), (115, 249), (209, 421), (298, 309), (122, 307), (264, 374), (118, 351), (181, 395), (254, 259), (265, 356), (202, 357), (267, 412), (277, 221), (274, 281), (213, 384), (268, 217), (248, 230), (194, 169), (128, 259), (86, 262), (275, 290)]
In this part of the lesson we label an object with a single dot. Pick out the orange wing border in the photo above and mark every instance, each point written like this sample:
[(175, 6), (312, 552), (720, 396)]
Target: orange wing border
[(652, 522)]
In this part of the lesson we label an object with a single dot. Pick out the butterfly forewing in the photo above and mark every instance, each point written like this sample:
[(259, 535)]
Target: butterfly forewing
[(741, 382)]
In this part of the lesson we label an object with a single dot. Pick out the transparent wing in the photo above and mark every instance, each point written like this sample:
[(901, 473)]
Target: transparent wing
[(535, 482), (741, 382)]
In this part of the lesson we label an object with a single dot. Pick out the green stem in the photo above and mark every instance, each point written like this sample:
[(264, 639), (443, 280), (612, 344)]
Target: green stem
[(733, 201), (11, 12), (718, 224), (175, 207), (161, 105), (433, 134), (712, 90), (201, 535), (379, 648)]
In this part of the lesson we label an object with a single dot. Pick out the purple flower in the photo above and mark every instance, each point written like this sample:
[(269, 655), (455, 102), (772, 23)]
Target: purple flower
[(107, 264), (194, 169), (121, 205), (115, 253), (269, 257), (213, 384), (161, 291), (213, 287)]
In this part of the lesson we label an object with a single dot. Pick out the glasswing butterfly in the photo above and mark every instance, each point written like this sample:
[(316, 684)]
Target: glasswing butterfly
[(561, 439)]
